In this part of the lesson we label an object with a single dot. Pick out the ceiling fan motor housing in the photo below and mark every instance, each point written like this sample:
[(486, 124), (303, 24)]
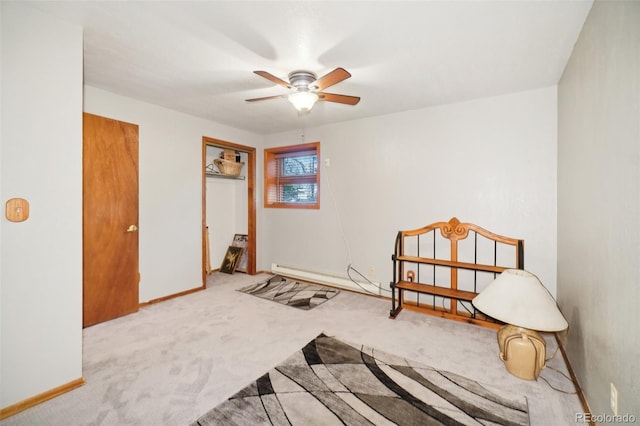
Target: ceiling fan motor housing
[(302, 80)]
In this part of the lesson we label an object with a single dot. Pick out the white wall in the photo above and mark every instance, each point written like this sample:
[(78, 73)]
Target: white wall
[(223, 218), (170, 161), (41, 277), (599, 205), (490, 161)]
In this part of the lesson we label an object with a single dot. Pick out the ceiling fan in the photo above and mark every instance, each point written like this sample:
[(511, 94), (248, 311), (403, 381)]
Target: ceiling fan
[(306, 88)]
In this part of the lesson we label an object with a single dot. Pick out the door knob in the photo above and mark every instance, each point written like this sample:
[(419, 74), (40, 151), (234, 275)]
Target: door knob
[(132, 228)]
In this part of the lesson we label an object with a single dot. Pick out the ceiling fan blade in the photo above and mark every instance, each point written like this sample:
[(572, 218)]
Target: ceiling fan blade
[(341, 99), (334, 77), (266, 98), (273, 78)]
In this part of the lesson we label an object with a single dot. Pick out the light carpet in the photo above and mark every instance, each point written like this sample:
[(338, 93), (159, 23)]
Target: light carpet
[(171, 362), (290, 292), (331, 382)]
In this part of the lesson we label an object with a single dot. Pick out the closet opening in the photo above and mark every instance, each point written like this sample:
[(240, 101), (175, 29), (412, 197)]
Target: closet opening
[(219, 234)]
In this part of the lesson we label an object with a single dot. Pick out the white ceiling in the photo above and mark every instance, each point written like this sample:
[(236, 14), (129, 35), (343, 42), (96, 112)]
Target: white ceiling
[(199, 57)]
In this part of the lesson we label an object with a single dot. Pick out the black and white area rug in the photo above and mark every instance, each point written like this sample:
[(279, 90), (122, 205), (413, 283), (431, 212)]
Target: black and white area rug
[(290, 292), (330, 382)]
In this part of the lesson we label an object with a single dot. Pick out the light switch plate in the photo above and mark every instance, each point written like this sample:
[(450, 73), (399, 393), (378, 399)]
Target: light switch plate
[(17, 210)]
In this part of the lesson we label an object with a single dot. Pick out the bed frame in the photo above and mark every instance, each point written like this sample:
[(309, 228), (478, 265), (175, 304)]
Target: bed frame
[(440, 273)]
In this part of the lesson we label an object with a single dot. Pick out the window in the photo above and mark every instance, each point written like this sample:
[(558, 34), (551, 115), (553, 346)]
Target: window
[(291, 176)]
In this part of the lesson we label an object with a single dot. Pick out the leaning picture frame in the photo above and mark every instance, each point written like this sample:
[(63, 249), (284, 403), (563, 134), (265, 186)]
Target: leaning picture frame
[(231, 259), (241, 240)]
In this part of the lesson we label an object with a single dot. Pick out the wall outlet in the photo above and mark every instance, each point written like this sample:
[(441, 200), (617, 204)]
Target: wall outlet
[(614, 399), (372, 271)]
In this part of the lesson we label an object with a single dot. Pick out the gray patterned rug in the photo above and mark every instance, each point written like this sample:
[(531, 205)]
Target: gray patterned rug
[(330, 382), (290, 292)]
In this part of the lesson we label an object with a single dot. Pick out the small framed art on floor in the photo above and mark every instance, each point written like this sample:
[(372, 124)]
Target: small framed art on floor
[(241, 240), (231, 259)]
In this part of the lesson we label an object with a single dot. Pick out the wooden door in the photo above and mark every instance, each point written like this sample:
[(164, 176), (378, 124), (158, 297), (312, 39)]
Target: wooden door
[(110, 219)]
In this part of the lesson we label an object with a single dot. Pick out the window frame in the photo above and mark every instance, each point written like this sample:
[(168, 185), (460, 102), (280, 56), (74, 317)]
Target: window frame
[(271, 181)]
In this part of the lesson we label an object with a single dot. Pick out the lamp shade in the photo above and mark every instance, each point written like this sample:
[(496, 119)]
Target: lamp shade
[(518, 297), (303, 101)]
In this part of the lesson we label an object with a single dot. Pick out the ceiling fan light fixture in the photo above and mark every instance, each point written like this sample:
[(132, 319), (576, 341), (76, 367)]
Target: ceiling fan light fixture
[(303, 101)]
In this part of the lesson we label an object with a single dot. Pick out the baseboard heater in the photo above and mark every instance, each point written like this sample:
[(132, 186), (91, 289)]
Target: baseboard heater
[(321, 278)]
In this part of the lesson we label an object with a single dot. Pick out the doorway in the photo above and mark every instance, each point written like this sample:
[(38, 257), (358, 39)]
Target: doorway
[(250, 178)]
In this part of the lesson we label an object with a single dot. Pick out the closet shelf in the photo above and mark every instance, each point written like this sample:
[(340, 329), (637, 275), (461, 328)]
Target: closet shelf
[(220, 175)]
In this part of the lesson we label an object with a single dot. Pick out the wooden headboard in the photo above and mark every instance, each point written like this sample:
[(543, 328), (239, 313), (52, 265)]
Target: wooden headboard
[(439, 273)]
